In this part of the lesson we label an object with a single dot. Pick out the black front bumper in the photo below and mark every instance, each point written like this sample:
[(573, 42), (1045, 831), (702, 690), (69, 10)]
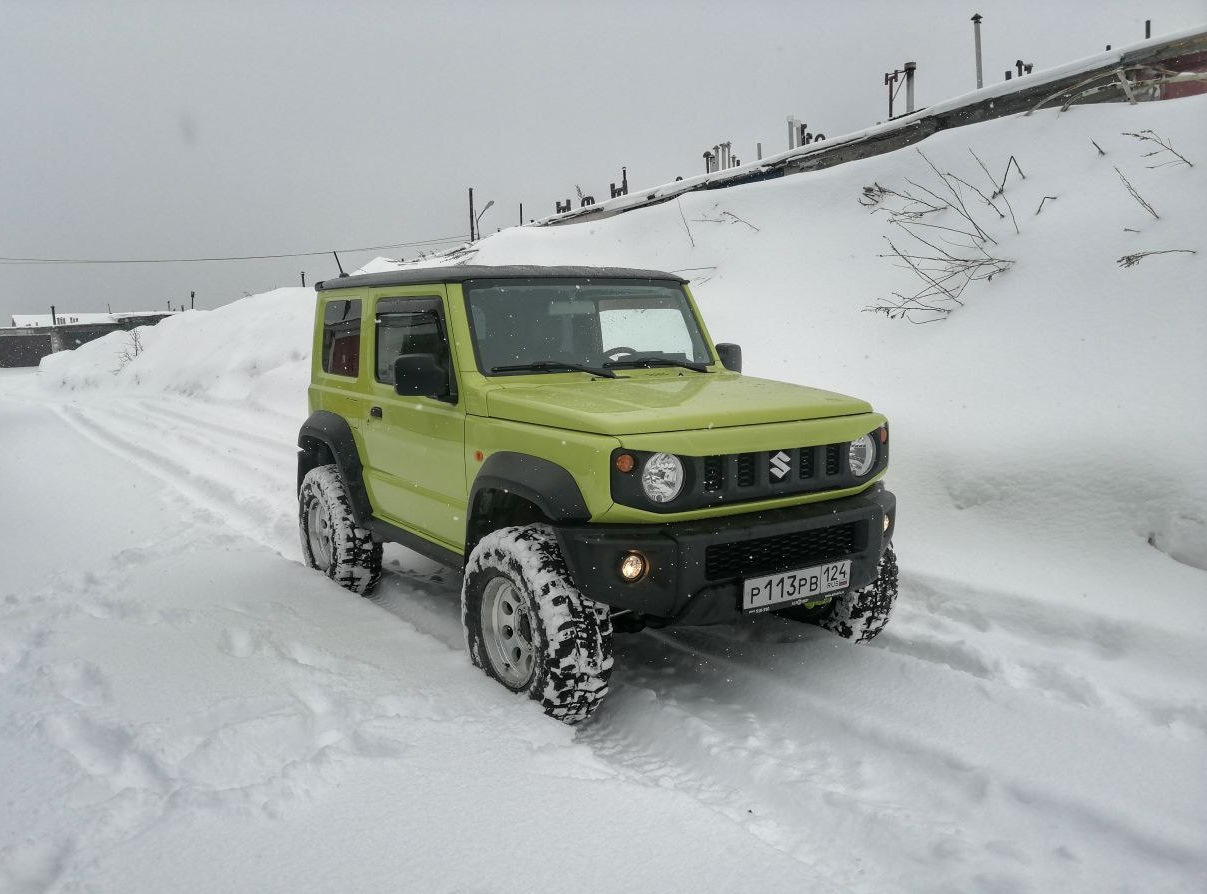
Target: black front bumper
[(697, 567)]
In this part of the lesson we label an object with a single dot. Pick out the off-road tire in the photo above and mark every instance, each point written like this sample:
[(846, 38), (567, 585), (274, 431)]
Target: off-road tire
[(861, 614), (571, 634), (353, 558)]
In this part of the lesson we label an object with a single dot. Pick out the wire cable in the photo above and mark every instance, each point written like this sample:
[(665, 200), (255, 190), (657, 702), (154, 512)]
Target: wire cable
[(297, 254)]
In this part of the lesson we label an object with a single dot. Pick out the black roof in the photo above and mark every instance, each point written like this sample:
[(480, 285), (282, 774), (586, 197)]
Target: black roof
[(414, 276)]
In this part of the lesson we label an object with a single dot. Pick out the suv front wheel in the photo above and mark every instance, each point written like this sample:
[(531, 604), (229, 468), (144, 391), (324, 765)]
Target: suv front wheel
[(529, 627), (858, 615), (331, 540)]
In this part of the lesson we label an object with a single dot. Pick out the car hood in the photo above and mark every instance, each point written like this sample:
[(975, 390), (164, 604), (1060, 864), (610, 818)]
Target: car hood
[(661, 402)]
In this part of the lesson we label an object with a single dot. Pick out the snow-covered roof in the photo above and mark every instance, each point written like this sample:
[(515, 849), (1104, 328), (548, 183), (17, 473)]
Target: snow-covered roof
[(1187, 40), (26, 321)]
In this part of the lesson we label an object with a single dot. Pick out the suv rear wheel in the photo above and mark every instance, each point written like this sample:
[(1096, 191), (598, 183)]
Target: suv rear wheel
[(527, 625), (331, 540)]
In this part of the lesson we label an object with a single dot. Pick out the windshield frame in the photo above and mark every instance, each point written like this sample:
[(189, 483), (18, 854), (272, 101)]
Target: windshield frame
[(674, 286)]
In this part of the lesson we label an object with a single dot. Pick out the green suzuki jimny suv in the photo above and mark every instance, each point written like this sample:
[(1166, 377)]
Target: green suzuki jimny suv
[(573, 440)]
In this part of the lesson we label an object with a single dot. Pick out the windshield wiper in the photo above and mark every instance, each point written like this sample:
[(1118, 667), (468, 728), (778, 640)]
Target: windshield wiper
[(543, 365), (648, 362)]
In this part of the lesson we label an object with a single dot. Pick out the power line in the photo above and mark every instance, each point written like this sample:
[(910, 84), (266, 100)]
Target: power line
[(298, 254)]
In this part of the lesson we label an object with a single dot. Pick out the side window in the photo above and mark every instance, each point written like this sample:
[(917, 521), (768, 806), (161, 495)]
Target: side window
[(409, 326), (341, 338)]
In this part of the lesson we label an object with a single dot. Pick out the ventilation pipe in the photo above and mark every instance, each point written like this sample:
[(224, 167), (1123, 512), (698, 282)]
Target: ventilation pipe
[(976, 37), (910, 68)]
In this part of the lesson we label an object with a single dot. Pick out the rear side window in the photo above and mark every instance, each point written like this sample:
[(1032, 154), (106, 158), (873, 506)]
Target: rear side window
[(341, 338)]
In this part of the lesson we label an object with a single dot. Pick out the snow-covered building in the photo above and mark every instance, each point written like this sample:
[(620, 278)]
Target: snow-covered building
[(66, 318), (33, 336)]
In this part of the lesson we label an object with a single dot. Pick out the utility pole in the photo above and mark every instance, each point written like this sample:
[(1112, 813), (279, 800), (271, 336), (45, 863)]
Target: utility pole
[(472, 219), (303, 279), (976, 36), (193, 296)]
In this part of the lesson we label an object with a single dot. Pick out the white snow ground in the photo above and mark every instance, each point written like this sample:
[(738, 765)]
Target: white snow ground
[(184, 707)]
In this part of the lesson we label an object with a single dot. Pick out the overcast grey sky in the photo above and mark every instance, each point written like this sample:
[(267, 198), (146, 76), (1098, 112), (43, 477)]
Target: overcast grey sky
[(173, 129)]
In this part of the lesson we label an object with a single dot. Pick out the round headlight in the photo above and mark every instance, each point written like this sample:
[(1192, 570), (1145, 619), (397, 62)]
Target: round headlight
[(662, 477), (861, 455)]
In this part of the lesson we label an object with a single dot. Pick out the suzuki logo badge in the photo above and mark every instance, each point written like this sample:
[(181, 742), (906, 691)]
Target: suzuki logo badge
[(781, 465)]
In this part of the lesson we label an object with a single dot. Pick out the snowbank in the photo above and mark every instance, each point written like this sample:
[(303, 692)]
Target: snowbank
[(257, 348)]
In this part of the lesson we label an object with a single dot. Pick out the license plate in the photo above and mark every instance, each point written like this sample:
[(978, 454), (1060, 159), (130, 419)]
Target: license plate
[(794, 587)]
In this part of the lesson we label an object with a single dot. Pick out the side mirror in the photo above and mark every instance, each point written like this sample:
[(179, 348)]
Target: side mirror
[(731, 356), (419, 375)]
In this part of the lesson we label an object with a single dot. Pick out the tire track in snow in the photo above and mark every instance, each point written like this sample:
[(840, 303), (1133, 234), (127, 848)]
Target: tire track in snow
[(249, 452), (267, 436), (782, 753), (252, 513), (1134, 671)]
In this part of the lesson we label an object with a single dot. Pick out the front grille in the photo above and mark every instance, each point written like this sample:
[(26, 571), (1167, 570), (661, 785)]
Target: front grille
[(746, 477), (806, 468), (783, 552), (833, 455), (746, 472)]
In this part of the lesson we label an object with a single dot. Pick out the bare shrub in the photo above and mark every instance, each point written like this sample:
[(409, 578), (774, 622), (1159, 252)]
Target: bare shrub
[(948, 247)]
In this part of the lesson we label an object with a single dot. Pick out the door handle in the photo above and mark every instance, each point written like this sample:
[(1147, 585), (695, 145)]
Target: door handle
[(375, 412)]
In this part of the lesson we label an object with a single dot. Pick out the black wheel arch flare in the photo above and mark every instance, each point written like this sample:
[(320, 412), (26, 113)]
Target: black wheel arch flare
[(327, 437), (540, 482)]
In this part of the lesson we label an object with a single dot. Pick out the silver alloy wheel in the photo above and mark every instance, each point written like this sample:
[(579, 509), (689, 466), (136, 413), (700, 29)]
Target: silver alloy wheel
[(507, 633), (318, 530)]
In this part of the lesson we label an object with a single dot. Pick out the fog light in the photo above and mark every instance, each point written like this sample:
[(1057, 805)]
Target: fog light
[(633, 567)]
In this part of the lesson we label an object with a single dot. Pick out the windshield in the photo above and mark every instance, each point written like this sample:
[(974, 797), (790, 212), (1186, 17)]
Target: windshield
[(555, 325)]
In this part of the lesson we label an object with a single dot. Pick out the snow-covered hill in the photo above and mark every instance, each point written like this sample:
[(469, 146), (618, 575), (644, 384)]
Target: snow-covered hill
[(171, 682)]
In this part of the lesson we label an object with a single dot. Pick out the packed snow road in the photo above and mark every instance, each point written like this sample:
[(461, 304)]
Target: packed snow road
[(184, 709), (174, 682)]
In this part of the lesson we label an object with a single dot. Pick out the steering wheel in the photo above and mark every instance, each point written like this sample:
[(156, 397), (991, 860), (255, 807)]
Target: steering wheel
[(619, 352)]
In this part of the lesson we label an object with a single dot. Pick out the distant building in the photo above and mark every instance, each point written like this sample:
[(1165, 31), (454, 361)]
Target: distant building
[(30, 337), (33, 321)]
